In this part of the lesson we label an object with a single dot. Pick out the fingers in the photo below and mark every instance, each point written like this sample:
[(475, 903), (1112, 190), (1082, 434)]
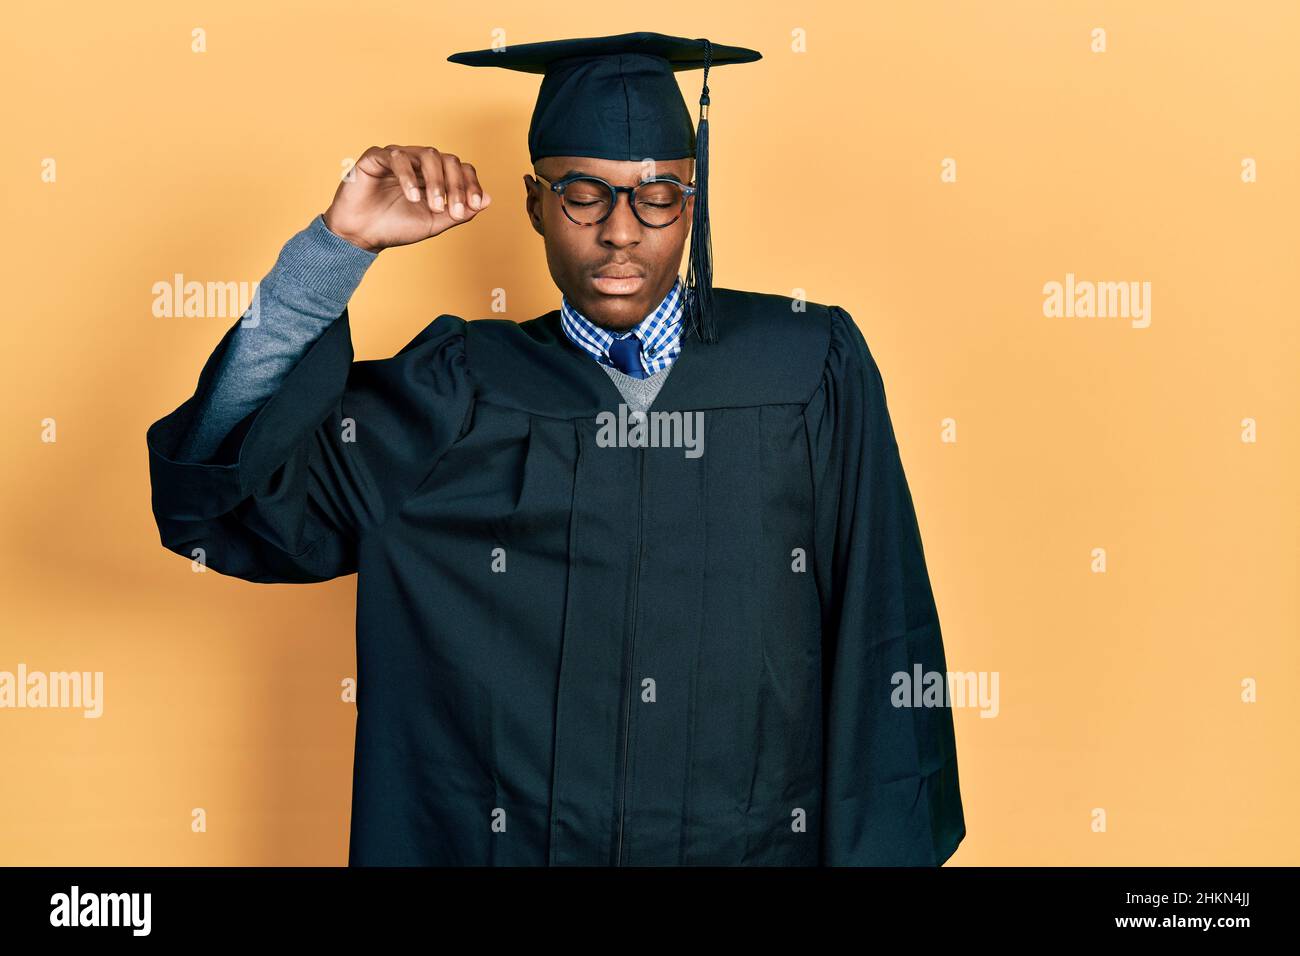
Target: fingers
[(435, 187), (373, 163), (399, 161), (465, 196), (424, 174), (476, 197), (451, 166)]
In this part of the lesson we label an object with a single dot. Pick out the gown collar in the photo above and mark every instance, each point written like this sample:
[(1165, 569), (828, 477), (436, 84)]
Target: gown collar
[(766, 353)]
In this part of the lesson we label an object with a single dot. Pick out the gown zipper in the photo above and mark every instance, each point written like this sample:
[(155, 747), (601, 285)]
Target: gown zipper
[(631, 649)]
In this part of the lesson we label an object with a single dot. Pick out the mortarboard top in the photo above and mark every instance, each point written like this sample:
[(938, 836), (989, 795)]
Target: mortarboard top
[(616, 98)]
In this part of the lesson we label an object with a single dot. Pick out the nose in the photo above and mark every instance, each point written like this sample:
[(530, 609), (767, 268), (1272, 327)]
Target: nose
[(621, 227)]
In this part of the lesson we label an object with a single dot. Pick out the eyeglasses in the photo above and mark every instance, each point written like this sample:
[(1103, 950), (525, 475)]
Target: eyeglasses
[(588, 200)]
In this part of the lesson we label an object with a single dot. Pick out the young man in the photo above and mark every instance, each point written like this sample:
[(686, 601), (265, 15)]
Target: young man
[(587, 636)]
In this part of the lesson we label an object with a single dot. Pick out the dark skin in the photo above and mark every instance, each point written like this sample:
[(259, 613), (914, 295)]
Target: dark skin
[(575, 254)]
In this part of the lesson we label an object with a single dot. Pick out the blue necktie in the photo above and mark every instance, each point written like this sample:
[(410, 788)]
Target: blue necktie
[(625, 353)]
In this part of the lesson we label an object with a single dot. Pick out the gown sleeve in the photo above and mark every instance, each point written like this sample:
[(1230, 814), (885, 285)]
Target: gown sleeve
[(890, 794), (293, 487)]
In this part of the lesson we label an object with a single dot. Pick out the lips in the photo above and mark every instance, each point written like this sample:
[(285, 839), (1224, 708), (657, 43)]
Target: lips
[(620, 272), (618, 282)]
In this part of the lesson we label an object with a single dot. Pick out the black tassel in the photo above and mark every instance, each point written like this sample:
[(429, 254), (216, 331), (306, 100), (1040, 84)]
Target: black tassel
[(699, 274)]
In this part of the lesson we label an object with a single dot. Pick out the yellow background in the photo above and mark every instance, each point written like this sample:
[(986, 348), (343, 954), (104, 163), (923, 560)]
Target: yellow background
[(1118, 691)]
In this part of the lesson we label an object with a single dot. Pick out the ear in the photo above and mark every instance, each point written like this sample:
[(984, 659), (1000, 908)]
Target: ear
[(533, 205)]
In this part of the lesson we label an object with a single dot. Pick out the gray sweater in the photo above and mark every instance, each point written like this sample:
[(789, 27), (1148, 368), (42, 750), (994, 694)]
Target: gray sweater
[(307, 289)]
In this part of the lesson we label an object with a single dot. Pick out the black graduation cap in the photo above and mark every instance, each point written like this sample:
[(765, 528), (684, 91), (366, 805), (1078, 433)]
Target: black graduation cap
[(615, 98)]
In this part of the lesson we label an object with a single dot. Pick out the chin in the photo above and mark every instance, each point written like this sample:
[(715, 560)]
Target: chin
[(617, 313)]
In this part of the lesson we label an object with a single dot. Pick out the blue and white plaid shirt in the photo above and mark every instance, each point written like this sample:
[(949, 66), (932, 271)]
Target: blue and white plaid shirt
[(660, 332)]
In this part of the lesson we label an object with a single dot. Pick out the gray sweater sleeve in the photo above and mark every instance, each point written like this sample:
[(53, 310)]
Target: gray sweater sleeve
[(307, 289)]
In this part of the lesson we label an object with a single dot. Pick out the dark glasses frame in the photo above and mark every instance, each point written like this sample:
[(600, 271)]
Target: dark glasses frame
[(557, 187)]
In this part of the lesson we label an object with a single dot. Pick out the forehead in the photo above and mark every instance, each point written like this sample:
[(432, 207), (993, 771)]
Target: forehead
[(618, 172)]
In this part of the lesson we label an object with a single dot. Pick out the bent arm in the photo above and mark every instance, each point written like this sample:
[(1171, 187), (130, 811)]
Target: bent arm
[(306, 290), (253, 475)]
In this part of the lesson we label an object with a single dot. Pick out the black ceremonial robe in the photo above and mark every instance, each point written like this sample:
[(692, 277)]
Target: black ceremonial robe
[(572, 652)]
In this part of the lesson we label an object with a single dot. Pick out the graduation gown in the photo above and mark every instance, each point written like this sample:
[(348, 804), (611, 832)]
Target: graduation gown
[(577, 653)]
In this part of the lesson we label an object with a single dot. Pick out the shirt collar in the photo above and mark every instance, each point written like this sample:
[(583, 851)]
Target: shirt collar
[(660, 332)]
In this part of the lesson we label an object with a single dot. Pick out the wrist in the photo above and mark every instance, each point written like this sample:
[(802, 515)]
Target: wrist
[(348, 237), (324, 262)]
